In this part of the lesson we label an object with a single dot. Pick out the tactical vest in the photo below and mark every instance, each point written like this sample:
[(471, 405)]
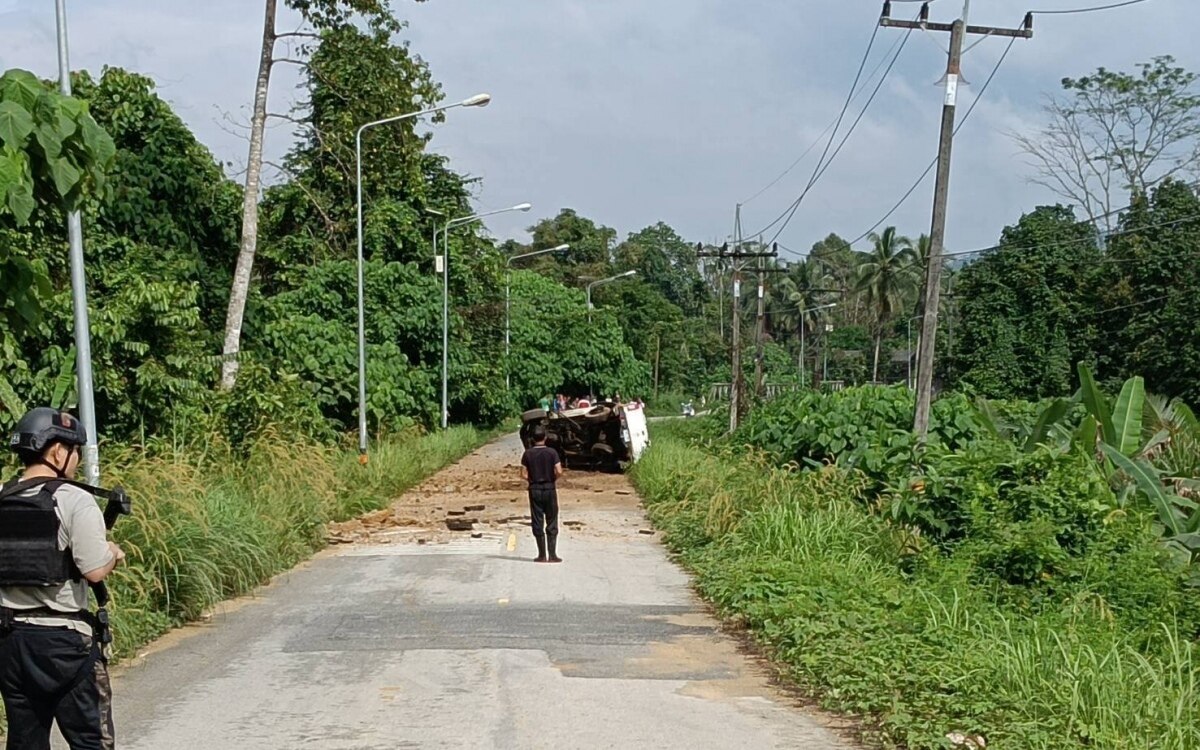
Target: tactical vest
[(29, 530)]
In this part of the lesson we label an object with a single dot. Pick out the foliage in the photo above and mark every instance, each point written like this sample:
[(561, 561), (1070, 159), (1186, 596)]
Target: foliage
[(1022, 308), (1145, 322), (924, 644), (210, 524), (1114, 132), (865, 428), (53, 155)]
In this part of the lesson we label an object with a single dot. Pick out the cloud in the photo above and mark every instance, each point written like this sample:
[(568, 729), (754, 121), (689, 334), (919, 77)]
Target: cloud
[(635, 111)]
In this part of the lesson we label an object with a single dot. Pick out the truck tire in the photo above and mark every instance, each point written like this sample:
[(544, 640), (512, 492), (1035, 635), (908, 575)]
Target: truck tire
[(533, 415)]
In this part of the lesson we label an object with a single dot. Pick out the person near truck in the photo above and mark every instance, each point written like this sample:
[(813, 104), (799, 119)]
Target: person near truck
[(53, 543), (541, 467)]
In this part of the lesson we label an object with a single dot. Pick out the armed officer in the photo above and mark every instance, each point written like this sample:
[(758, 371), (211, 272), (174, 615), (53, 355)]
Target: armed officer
[(53, 543)]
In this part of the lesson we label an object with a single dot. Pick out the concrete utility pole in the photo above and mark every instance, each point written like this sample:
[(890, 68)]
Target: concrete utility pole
[(937, 236), (737, 406), (83, 338), (760, 330)]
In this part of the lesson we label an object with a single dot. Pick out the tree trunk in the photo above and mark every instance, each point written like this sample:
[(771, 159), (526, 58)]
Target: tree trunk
[(875, 370), (249, 242)]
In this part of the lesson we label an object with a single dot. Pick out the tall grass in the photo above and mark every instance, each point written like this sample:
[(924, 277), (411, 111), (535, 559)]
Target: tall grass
[(209, 524), (917, 647)]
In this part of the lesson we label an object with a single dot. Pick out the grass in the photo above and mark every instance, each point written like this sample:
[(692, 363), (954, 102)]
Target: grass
[(916, 650), (209, 525)]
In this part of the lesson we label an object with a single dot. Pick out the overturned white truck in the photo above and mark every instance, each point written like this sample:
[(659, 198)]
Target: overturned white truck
[(607, 436)]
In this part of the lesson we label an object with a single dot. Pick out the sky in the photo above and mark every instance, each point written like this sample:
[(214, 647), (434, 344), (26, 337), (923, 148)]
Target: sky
[(633, 112)]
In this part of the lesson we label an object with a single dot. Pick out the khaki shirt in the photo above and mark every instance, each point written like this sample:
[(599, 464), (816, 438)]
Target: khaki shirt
[(81, 528)]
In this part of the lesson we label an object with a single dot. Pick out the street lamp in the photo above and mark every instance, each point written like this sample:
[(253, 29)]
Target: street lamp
[(610, 279), (909, 352), (479, 100), (446, 297), (802, 313), (508, 304)]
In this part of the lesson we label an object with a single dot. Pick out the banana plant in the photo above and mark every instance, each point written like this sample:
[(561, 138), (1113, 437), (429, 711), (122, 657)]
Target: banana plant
[(1118, 425)]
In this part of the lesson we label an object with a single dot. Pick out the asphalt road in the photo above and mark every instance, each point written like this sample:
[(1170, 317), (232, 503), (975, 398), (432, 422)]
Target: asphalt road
[(465, 643)]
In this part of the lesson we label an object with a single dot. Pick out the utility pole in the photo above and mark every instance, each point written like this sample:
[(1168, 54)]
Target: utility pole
[(930, 298), (760, 331), (737, 407)]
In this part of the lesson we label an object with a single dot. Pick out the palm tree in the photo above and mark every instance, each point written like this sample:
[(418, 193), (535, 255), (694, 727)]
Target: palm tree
[(886, 280), (805, 287)]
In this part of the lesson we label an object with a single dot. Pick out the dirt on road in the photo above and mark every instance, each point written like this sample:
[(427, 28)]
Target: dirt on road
[(484, 494)]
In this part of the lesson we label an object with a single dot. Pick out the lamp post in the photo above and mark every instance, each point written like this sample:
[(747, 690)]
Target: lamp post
[(83, 338), (803, 379), (462, 220), (609, 280), (909, 352), (596, 283), (508, 304), (479, 100)]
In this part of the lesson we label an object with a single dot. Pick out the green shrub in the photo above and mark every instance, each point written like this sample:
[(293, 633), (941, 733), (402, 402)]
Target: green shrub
[(923, 639)]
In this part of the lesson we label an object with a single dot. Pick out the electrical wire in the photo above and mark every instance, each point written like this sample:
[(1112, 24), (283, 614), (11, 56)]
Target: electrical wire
[(853, 127), (1086, 10), (822, 165), (932, 164), (1067, 243), (837, 123), (817, 140)]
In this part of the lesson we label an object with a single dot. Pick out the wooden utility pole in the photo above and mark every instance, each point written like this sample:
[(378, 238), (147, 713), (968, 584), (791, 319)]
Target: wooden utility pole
[(930, 298)]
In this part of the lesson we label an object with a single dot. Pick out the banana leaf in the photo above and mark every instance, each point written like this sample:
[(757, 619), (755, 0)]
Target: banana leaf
[(1047, 419), (1127, 417), (1097, 404), (1143, 474)]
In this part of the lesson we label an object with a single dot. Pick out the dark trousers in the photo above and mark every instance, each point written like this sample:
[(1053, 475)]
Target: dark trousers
[(543, 508), (51, 674)]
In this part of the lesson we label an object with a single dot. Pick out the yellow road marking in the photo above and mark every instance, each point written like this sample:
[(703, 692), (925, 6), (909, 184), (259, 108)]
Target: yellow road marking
[(502, 602), (512, 542)]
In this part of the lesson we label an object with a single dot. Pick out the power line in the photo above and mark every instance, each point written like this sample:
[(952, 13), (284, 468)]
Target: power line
[(807, 151), (790, 212), (932, 164), (1064, 243), (1084, 10), (845, 138), (837, 124)]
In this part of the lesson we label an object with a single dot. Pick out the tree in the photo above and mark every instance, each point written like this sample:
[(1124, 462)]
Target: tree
[(1025, 308), (591, 245), (668, 262), (53, 155), (805, 287), (1117, 133), (1143, 310), (322, 15), (887, 280)]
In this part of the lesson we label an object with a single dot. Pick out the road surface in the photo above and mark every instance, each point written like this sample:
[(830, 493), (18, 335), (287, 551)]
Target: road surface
[(407, 635)]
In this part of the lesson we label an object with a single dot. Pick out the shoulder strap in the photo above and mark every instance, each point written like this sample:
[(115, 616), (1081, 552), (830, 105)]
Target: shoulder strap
[(14, 487), (17, 487)]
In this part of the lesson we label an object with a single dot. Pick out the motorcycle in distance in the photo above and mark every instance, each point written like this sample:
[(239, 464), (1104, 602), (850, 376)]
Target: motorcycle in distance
[(688, 411)]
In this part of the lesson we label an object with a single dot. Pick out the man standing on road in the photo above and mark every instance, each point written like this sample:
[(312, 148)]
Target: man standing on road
[(52, 544), (541, 468)]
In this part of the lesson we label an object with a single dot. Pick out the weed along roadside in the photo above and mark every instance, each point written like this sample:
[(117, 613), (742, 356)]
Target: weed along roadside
[(1038, 618), (209, 525)]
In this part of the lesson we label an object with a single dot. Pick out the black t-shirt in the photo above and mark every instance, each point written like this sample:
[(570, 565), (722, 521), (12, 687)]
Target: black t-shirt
[(540, 461)]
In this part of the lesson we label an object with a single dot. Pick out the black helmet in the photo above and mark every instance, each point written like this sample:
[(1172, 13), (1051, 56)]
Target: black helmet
[(42, 426)]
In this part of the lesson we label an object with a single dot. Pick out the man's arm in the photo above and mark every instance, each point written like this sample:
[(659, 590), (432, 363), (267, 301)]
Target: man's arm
[(94, 555), (99, 574), (558, 470)]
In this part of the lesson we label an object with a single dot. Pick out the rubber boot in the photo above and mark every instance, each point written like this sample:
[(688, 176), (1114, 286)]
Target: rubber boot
[(541, 543), (554, 558)]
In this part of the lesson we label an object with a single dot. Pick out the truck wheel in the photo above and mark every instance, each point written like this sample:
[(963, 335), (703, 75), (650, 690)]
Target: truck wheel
[(533, 414)]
